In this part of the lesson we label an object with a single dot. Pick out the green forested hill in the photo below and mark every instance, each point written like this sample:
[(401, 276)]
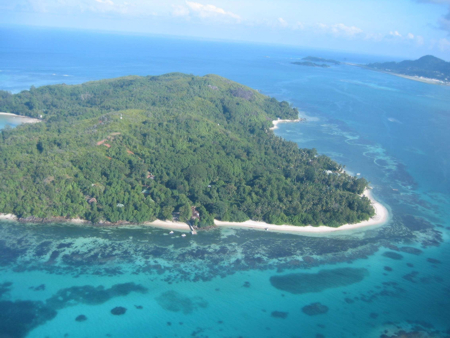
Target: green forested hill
[(427, 66), (141, 148)]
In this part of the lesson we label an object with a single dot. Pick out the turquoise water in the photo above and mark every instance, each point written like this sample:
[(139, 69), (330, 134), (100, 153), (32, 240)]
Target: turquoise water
[(9, 121), (242, 283)]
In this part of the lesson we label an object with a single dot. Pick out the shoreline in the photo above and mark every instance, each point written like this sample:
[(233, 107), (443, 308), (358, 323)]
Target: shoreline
[(421, 79), (409, 77), (276, 122), (381, 217), (23, 119)]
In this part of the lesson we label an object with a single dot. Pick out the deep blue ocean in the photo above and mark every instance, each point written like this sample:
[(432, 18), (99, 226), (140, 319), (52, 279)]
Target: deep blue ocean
[(64, 281)]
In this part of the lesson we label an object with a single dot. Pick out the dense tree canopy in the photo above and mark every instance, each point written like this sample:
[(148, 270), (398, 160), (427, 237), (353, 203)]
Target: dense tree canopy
[(141, 148)]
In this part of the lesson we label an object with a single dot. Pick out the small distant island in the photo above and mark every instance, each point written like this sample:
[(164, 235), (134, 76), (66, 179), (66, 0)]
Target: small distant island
[(174, 147), (317, 59), (311, 64), (312, 61), (429, 69)]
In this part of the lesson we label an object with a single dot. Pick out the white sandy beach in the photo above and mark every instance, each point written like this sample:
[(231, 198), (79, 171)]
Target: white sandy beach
[(21, 119), (380, 218), (276, 122), (179, 226), (8, 217), (421, 79)]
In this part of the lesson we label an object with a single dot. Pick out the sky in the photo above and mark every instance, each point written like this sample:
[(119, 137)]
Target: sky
[(403, 28)]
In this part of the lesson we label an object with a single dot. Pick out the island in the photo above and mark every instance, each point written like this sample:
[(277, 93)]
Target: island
[(428, 68), (311, 64), (174, 147), (317, 59)]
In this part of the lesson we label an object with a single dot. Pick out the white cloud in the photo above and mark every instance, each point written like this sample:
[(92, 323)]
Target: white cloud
[(207, 11), (107, 2), (283, 23), (396, 37), (419, 40), (341, 29), (180, 11), (338, 30), (298, 25), (395, 34), (444, 45)]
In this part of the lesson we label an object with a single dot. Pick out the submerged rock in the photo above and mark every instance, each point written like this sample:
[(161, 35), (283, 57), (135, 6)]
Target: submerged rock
[(119, 310), (176, 302), (393, 255), (433, 261), (18, 318), (299, 283), (279, 314), (91, 295), (411, 250), (81, 318), (315, 309)]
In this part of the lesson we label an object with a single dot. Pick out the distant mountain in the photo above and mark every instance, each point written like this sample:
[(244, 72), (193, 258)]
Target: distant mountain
[(427, 66), (316, 59)]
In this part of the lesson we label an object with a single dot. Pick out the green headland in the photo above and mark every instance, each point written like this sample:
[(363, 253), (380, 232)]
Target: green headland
[(140, 148)]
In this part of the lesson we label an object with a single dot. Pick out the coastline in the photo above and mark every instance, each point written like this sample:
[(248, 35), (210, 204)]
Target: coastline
[(409, 77), (380, 218), (23, 119), (421, 79), (276, 122), (381, 214)]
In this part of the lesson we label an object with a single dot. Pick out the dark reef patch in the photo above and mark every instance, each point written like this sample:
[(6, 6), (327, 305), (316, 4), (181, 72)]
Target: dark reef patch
[(315, 309), (393, 255), (5, 288), (91, 295), (298, 283), (38, 288), (387, 268), (279, 314), (411, 250), (411, 276), (118, 311), (176, 302), (20, 317), (416, 223), (81, 318), (433, 261)]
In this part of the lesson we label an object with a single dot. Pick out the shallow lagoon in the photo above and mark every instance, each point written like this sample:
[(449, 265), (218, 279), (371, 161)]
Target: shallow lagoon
[(218, 284)]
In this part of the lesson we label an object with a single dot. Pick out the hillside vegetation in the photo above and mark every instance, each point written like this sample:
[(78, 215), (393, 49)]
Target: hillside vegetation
[(140, 148)]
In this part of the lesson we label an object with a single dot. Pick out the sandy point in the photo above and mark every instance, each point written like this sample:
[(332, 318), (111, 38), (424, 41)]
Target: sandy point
[(380, 218)]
